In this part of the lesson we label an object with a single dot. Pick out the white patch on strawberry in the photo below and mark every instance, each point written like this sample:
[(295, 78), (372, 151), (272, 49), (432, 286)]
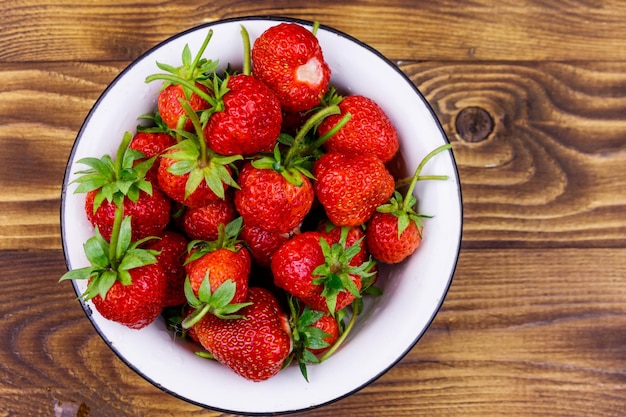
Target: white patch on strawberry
[(311, 72)]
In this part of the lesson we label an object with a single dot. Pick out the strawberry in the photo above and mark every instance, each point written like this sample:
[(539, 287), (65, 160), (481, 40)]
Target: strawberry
[(151, 144), (351, 186), (354, 235), (368, 131), (184, 83), (172, 252), (190, 173), (152, 140), (125, 282), (394, 232), (138, 304), (314, 332), (150, 213), (276, 192), (262, 244), (289, 59), (202, 223), (254, 346), (249, 118), (268, 200), (168, 104), (218, 274), (122, 182), (318, 273)]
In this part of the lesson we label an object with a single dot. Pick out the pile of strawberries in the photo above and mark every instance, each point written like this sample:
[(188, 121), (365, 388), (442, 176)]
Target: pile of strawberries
[(250, 209)]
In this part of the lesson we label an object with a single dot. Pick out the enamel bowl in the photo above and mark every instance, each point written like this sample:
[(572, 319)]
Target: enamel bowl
[(390, 325)]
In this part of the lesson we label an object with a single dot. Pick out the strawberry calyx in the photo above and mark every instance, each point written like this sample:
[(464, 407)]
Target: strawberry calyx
[(111, 262), (193, 69), (300, 151), (227, 238), (216, 302), (115, 179), (157, 125), (336, 274), (403, 207), (305, 336), (194, 157)]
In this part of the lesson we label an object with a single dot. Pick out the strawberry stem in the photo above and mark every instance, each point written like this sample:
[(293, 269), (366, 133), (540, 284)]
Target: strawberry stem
[(246, 51), (313, 121), (202, 49), (406, 181), (316, 26), (121, 150), (204, 151), (319, 142), (342, 337), (115, 233), (416, 175), (174, 79)]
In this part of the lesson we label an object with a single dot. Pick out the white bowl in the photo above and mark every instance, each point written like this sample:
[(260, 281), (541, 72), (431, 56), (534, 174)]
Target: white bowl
[(390, 325)]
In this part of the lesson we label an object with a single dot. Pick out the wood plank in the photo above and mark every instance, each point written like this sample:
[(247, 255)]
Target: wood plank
[(36, 146), (556, 318), (539, 180), (540, 177), (56, 30)]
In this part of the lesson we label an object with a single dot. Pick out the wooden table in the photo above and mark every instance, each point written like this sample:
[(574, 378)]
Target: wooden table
[(531, 93)]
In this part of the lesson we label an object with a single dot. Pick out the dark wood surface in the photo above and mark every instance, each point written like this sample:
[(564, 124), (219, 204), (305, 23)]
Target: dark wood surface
[(534, 323)]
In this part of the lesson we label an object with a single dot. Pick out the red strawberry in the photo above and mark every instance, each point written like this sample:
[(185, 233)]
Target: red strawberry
[(249, 119), (329, 330), (122, 182), (288, 58), (351, 186), (254, 346), (387, 245), (353, 235), (369, 130), (394, 232), (150, 214), (262, 243), (138, 304), (172, 252), (152, 144), (222, 265), (268, 200), (186, 83), (127, 285), (318, 273), (202, 223), (217, 274), (192, 174), (168, 104)]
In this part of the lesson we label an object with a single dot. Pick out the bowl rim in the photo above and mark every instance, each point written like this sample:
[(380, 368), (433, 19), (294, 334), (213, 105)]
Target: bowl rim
[(278, 19)]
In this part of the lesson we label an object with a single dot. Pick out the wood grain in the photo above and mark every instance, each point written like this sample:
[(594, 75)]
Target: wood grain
[(553, 161), (559, 344), (555, 158), (41, 110), (61, 30), (533, 323)]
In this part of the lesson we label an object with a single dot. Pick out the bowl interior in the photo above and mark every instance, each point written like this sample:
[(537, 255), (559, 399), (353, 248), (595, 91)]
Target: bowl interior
[(390, 325)]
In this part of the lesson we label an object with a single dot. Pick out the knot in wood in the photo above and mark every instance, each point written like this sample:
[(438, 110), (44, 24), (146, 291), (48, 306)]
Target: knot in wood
[(474, 124)]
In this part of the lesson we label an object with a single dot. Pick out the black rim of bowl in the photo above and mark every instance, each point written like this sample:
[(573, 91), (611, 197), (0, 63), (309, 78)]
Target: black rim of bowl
[(277, 19)]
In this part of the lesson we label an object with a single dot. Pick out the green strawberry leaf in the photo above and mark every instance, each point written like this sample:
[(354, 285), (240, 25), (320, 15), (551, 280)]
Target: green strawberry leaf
[(218, 302), (192, 300), (104, 282), (97, 251), (124, 237), (76, 274)]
